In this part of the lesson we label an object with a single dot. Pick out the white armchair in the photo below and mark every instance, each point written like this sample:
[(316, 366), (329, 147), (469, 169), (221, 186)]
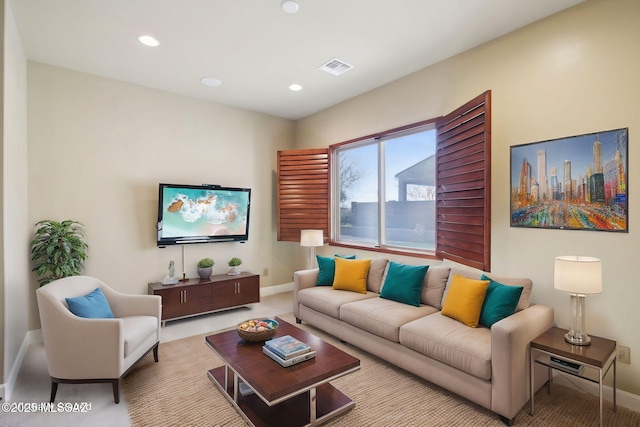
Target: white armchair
[(86, 350)]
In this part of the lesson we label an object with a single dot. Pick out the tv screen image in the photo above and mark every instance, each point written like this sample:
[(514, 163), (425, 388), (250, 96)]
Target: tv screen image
[(202, 214)]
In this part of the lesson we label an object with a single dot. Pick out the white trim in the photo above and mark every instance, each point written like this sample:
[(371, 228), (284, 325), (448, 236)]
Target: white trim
[(623, 398), (31, 337), (277, 289)]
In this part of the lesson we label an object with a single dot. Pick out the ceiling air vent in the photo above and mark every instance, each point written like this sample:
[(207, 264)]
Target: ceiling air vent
[(336, 67)]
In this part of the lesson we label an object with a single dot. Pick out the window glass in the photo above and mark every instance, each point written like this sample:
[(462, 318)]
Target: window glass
[(398, 170), (358, 194), (409, 170)]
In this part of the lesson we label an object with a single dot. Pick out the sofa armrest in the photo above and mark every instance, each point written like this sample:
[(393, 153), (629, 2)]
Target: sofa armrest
[(303, 279), (510, 342)]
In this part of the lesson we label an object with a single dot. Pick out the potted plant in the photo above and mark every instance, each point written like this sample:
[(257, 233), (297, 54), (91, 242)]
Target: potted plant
[(58, 250), (234, 266), (205, 268)]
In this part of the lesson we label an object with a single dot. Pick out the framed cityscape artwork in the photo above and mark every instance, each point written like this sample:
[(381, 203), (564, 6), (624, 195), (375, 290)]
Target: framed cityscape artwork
[(573, 183)]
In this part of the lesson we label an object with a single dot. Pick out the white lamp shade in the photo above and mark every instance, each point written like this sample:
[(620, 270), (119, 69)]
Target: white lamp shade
[(578, 275), (311, 238)]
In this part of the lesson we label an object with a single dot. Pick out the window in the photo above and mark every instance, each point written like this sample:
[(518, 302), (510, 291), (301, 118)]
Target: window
[(384, 188), (453, 210)]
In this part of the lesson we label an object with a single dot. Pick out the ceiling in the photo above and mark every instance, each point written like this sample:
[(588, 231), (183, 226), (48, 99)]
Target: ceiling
[(257, 50)]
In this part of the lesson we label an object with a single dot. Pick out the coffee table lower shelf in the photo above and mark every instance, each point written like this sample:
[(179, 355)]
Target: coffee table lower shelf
[(330, 402)]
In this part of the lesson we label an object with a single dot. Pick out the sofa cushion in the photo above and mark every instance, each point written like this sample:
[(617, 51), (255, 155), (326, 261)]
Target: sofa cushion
[(474, 273), (404, 283), (382, 317), (376, 273), (526, 284), (351, 275), (464, 300), (136, 329), (327, 300), (93, 305), (450, 342), (499, 302), (327, 269), (435, 281)]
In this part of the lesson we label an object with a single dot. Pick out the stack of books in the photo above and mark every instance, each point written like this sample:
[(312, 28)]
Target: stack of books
[(288, 350)]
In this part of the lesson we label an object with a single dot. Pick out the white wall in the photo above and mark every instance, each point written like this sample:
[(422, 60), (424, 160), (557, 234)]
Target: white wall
[(98, 149), (15, 230), (575, 72)]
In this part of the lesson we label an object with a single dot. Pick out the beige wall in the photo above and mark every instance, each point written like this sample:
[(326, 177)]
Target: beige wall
[(15, 230), (98, 149), (573, 73)]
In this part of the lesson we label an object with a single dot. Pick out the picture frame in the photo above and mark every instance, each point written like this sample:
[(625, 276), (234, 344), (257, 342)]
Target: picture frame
[(574, 183)]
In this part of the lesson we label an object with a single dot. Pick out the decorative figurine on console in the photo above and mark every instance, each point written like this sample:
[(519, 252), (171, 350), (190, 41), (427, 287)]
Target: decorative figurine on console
[(170, 278)]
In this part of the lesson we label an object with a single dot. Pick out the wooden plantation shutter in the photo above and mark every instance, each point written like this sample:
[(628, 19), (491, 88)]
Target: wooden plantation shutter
[(302, 192), (463, 181)]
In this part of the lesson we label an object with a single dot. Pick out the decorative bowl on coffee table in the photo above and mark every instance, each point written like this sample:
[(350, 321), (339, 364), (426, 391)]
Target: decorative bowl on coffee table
[(255, 330)]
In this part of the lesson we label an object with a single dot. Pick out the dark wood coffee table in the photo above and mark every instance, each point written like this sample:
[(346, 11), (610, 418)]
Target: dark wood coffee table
[(294, 396)]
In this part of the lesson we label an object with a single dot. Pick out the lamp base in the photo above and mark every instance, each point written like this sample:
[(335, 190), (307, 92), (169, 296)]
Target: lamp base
[(577, 334), (576, 339)]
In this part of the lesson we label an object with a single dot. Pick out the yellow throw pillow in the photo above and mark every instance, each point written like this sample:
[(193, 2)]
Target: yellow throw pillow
[(464, 299), (351, 274)]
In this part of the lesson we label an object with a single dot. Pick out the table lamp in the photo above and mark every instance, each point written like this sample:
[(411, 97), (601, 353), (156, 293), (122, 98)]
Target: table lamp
[(311, 239), (579, 276)]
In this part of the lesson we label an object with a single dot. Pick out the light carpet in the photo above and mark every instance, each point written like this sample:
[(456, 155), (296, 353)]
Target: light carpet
[(177, 391)]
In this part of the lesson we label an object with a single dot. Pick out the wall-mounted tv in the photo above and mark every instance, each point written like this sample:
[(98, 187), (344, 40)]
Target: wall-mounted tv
[(202, 214)]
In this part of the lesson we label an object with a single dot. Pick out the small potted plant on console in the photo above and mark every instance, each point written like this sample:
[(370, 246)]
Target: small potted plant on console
[(234, 266), (205, 268)]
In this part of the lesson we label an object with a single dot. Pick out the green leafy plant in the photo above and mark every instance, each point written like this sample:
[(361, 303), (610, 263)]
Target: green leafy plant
[(58, 250), (205, 262), (234, 262)]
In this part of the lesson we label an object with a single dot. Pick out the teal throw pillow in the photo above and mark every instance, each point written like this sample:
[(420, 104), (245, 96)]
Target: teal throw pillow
[(404, 283), (92, 306), (327, 269), (499, 302)]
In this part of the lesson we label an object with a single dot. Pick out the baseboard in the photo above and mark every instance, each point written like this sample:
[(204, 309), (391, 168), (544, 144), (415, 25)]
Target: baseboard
[(31, 337), (277, 289), (623, 398)]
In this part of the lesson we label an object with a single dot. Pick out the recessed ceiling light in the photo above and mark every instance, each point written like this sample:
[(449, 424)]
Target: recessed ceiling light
[(148, 41), (210, 81), (289, 6), (295, 87)]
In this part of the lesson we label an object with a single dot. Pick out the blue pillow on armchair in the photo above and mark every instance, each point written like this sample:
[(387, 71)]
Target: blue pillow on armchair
[(94, 305)]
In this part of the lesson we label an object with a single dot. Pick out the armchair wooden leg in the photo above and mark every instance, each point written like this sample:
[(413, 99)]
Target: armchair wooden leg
[(116, 390), (155, 353), (54, 390)]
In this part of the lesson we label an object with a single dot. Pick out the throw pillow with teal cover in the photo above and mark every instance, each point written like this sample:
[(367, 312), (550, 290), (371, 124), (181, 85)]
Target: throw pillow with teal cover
[(404, 283), (500, 302), (94, 305), (327, 269)]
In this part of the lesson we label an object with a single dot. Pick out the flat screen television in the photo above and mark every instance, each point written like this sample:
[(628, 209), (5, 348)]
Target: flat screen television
[(202, 214)]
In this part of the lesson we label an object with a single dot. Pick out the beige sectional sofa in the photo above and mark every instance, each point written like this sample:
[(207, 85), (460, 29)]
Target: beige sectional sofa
[(488, 366)]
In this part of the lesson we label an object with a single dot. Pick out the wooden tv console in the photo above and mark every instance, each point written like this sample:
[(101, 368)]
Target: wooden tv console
[(199, 296)]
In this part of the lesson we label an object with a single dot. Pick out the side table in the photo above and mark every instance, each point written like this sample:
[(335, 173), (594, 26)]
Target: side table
[(595, 360)]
